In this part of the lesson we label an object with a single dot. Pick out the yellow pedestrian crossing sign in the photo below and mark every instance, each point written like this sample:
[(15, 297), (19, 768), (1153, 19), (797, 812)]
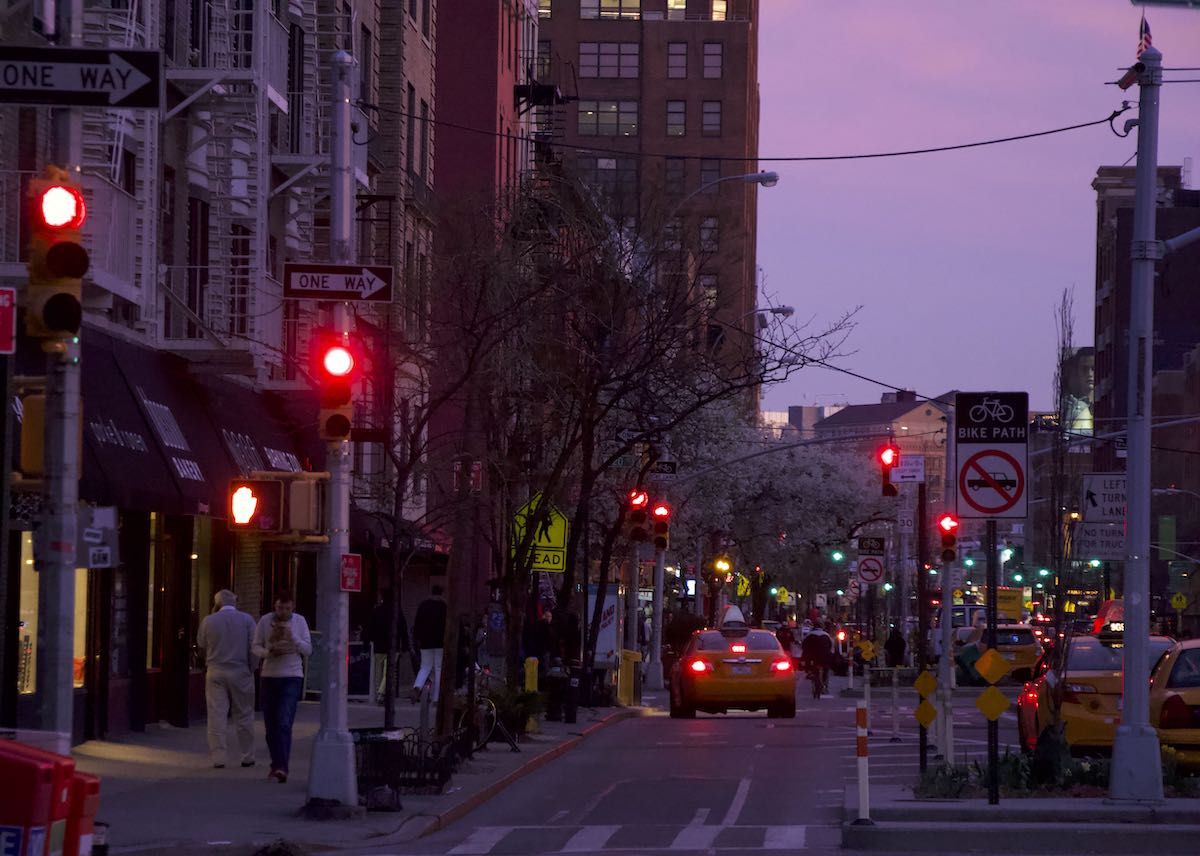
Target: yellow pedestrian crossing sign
[(783, 595), (743, 586), (550, 544), (1179, 600)]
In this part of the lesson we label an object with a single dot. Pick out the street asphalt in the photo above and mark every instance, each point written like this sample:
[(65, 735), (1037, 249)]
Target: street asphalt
[(728, 785)]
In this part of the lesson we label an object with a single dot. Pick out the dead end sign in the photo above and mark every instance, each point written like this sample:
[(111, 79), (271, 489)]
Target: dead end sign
[(338, 282)]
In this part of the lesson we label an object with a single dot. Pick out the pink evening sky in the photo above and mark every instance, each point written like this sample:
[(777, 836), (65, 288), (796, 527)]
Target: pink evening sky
[(957, 259)]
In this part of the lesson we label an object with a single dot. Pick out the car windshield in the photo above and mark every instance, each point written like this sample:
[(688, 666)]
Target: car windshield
[(1091, 655), (754, 640), (1186, 673)]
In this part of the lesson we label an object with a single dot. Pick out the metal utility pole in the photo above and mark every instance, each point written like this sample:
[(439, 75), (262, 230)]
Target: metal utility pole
[(55, 547), (993, 727), (922, 611), (946, 661), (331, 778), (1136, 766), (654, 669)]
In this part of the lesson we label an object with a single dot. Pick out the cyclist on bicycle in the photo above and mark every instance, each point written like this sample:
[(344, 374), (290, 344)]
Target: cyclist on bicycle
[(817, 651)]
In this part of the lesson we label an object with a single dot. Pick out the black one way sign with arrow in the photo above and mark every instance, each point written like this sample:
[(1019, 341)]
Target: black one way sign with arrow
[(74, 77)]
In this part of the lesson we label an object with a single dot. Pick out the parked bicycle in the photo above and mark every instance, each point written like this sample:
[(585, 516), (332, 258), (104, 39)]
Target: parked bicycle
[(485, 723)]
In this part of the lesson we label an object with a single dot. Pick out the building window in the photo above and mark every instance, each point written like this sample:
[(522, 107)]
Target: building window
[(719, 9), (608, 59), (615, 176), (625, 10), (410, 155), (412, 9), (543, 60), (425, 18), (608, 118), (714, 59), (676, 118), (673, 234), (708, 290), (364, 77), (544, 9), (709, 237), (712, 118), (674, 175), (677, 60), (424, 161), (710, 173), (676, 10)]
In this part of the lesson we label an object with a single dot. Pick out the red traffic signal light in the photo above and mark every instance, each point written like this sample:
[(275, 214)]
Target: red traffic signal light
[(638, 498), (947, 526), (661, 514), (256, 504), (888, 456), (334, 368), (57, 261), (637, 527)]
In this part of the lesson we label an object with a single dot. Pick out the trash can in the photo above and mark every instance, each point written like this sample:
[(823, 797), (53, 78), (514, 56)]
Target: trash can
[(35, 791), (81, 823), (628, 678), (556, 690)]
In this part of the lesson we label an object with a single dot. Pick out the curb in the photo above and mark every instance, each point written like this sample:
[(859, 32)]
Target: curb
[(1040, 838), (457, 812)]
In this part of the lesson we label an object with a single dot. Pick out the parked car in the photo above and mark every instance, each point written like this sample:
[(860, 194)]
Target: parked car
[(1175, 701)]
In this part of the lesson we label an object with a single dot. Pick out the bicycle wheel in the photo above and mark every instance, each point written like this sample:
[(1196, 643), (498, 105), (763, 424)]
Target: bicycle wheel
[(978, 413), (1004, 413), (486, 722)]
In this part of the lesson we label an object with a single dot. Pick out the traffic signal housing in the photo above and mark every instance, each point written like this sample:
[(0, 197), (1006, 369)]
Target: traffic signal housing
[(660, 516), (57, 260), (256, 505), (888, 456), (637, 516), (947, 526), (334, 368)]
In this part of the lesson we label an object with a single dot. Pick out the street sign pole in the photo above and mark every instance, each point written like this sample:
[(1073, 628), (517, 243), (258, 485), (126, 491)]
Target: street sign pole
[(946, 662), (993, 728), (1136, 765), (332, 785), (922, 613), (654, 669)]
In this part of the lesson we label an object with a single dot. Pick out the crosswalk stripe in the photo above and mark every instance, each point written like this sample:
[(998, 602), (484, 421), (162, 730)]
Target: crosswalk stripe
[(696, 837), (784, 838), (481, 841), (589, 838)]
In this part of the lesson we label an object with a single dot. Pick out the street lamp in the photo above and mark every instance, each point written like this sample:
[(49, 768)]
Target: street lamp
[(765, 179)]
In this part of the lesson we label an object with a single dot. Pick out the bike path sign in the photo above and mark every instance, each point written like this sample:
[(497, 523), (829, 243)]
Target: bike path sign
[(990, 441)]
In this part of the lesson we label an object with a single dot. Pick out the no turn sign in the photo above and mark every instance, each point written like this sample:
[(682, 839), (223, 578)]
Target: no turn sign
[(991, 431), (870, 569)]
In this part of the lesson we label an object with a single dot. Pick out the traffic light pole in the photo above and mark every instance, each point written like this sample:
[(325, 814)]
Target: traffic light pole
[(332, 787), (1136, 765), (654, 669), (946, 661)]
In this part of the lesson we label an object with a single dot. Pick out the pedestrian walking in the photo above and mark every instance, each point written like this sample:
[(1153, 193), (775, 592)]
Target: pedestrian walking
[(894, 647), (226, 638), (282, 640), (429, 635), (378, 635)]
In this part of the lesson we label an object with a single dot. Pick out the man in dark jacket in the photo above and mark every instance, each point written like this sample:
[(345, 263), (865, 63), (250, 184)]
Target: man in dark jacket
[(378, 635), (894, 648), (429, 633)]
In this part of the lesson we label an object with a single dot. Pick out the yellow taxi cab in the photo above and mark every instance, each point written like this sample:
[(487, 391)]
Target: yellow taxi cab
[(1018, 644), (733, 667), (1175, 701), (1091, 692)]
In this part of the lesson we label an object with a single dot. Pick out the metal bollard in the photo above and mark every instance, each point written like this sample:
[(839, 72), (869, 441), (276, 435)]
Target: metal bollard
[(867, 692), (864, 784), (895, 705)]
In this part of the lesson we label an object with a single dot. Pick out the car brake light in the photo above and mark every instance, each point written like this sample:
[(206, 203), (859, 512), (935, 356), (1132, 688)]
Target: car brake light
[(699, 666), (781, 666), (1029, 694), (738, 648), (841, 635), (1176, 714), (1071, 691)]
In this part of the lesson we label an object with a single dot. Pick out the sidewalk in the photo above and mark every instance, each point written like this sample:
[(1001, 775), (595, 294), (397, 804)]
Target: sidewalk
[(159, 792), (1028, 825)]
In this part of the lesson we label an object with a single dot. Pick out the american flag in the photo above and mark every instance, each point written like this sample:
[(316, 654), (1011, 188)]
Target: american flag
[(1143, 38)]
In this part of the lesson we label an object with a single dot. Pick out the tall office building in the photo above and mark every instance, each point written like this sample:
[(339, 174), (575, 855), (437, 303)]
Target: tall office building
[(660, 103)]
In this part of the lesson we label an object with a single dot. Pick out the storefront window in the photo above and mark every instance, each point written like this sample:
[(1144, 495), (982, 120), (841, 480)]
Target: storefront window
[(27, 644), (202, 578)]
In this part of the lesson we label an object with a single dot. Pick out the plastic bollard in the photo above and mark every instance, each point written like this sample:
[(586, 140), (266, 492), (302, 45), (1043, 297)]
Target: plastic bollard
[(531, 674), (81, 823), (35, 799)]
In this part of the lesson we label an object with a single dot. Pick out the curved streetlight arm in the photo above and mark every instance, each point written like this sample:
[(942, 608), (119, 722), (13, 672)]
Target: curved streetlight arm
[(766, 179)]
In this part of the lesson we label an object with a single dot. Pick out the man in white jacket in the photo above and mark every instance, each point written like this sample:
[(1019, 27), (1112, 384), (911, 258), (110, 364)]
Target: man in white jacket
[(225, 637), (282, 640)]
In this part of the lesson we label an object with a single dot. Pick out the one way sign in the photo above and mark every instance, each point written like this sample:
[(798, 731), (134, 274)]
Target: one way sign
[(80, 78), (338, 282)]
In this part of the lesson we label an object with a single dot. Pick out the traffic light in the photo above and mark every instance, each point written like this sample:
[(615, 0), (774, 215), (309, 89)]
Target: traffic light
[(637, 529), (256, 505), (334, 367), (947, 526), (57, 259), (660, 516), (888, 456)]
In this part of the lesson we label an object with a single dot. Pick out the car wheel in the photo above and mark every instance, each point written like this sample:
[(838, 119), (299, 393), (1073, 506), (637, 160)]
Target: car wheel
[(787, 710)]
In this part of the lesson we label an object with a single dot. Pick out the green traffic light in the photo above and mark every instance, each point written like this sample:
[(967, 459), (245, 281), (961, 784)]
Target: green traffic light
[(840, 592), (837, 555), (1017, 578), (887, 586), (969, 562), (774, 590), (1043, 572), (1095, 563)]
